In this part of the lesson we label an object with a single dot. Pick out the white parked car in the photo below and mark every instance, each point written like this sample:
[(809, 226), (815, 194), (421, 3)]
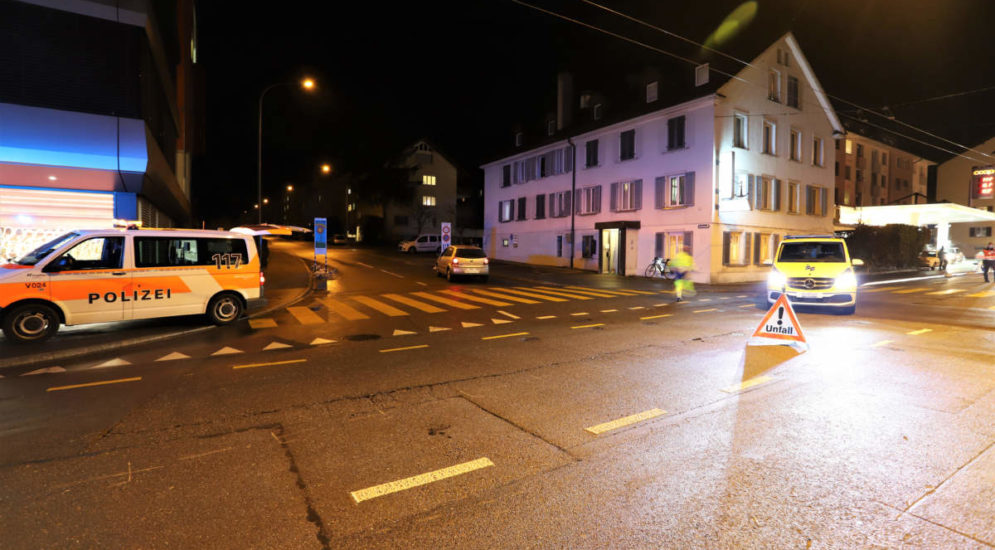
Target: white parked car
[(462, 260), (422, 243)]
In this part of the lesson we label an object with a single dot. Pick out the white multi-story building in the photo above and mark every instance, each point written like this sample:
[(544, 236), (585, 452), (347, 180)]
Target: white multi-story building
[(729, 174)]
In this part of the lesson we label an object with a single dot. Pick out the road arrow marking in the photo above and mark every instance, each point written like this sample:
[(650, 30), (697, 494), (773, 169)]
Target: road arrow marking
[(399, 332), (320, 341), (49, 370), (438, 329), (500, 321), (226, 351), (471, 325), (510, 315), (173, 356), (117, 362), (276, 345)]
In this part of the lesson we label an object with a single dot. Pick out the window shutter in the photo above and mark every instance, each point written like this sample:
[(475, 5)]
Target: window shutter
[(752, 191), (824, 199), (566, 206), (552, 205), (577, 201), (659, 245), (777, 194), (638, 189), (756, 249), (568, 159), (688, 236), (661, 184), (596, 199), (689, 188), (748, 240), (511, 211), (725, 248), (613, 200)]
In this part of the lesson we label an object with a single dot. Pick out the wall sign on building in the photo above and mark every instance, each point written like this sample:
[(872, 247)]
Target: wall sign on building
[(983, 183)]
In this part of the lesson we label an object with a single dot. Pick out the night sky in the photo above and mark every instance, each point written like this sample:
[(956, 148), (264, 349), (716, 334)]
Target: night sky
[(464, 73)]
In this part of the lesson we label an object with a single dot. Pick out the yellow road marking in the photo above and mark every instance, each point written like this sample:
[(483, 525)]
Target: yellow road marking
[(748, 384), (544, 317), (609, 310), (509, 315), (533, 295), (742, 296), (656, 316), (512, 335), (594, 293), (560, 293), (945, 292), (427, 308), (636, 308), (882, 343), (643, 292), (446, 301), (92, 384), (910, 290), (747, 305), (262, 323), (991, 307), (704, 299), (477, 299), (422, 346), (580, 314), (918, 332), (380, 306), (419, 480), (982, 294), (504, 296), (626, 421), (619, 292), (254, 365), (305, 316), (705, 310), (350, 313), (590, 326), (879, 289)]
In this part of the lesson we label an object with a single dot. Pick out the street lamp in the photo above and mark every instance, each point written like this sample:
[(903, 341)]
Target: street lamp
[(306, 84), (326, 168)]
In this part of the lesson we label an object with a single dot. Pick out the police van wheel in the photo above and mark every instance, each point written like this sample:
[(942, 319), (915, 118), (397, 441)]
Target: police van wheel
[(30, 323), (224, 309)]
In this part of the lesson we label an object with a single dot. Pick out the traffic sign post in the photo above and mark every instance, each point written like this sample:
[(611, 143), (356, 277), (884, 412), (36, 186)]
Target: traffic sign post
[(446, 238), (320, 249)]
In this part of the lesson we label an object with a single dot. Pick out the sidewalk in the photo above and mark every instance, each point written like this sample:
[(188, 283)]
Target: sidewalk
[(288, 280)]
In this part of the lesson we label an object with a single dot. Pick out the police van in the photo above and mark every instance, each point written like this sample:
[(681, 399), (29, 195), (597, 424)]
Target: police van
[(814, 270), (97, 276)]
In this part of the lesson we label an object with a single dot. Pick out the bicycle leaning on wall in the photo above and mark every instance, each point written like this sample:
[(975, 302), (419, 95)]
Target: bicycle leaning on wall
[(660, 267)]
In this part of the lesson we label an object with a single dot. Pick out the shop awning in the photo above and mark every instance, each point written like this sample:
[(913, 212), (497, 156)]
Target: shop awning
[(914, 214)]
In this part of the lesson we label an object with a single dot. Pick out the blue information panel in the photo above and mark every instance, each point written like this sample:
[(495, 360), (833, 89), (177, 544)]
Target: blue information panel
[(320, 236)]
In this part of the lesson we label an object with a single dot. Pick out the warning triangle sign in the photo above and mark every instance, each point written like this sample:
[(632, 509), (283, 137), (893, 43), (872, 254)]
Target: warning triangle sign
[(780, 327)]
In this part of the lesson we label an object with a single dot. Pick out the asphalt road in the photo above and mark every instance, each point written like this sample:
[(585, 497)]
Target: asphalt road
[(541, 409)]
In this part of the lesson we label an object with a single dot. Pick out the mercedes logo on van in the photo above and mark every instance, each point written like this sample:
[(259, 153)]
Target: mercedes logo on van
[(809, 283)]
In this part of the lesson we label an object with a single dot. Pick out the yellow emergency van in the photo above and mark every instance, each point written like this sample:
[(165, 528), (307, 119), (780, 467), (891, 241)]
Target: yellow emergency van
[(97, 276), (814, 270)]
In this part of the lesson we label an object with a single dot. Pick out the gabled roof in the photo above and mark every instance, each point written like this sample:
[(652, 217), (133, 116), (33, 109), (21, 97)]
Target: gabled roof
[(820, 94)]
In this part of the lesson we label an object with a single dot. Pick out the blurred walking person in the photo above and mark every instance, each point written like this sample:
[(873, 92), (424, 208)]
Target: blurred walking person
[(683, 265), (988, 260)]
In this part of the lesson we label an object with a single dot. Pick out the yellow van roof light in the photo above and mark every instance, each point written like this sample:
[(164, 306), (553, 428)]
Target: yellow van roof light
[(127, 224)]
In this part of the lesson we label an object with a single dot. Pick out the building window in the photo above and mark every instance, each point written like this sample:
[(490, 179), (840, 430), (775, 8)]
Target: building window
[(506, 210), (506, 175), (774, 86), (846, 173), (540, 207), (626, 196), (849, 147), (597, 111), (550, 127), (701, 75), (792, 92), (428, 180), (521, 209), (793, 196), (980, 231), (518, 139), (428, 200), (796, 145), (740, 126), (741, 185), (817, 153), (559, 204), (763, 248), (765, 193), (770, 138), (816, 200), (591, 150), (559, 246), (351, 207), (589, 200), (651, 92), (669, 245), (860, 150), (679, 190), (734, 248), (860, 175), (676, 133), (588, 246), (627, 145)]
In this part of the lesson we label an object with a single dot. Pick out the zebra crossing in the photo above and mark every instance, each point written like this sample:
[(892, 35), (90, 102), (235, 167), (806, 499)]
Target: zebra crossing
[(331, 309)]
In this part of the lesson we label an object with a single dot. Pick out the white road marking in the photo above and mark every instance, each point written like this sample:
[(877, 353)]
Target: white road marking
[(173, 356), (438, 329), (399, 332), (544, 317), (366, 265), (49, 370), (394, 274), (511, 315), (421, 283), (500, 321), (471, 325), (226, 351), (276, 345), (320, 341), (117, 362)]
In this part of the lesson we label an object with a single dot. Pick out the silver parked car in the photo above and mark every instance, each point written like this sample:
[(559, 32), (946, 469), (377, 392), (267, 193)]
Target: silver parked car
[(460, 259)]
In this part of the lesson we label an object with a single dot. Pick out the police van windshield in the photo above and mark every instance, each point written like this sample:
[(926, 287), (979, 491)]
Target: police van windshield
[(812, 252), (40, 253)]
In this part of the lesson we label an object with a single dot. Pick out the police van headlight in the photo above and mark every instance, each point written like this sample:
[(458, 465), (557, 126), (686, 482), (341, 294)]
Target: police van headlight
[(776, 279), (846, 280)]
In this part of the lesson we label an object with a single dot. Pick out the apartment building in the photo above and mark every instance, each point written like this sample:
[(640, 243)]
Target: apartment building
[(433, 200), (967, 180), (97, 116), (728, 170), (872, 173)]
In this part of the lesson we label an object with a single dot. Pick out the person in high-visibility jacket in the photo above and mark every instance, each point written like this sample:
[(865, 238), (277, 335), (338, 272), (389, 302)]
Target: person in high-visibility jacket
[(683, 265)]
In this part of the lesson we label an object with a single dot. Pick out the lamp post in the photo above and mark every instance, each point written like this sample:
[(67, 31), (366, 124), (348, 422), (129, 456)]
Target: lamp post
[(307, 84)]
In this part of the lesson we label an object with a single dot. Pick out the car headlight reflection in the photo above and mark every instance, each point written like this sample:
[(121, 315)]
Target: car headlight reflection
[(847, 281), (776, 279)]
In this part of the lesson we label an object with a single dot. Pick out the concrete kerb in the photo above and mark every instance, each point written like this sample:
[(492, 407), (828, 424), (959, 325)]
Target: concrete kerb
[(83, 352)]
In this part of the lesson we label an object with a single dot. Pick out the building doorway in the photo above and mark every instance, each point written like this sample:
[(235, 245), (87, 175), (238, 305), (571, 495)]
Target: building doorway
[(610, 250)]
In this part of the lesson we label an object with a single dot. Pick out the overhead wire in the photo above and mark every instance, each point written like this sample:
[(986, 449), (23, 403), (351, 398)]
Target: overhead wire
[(732, 76)]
